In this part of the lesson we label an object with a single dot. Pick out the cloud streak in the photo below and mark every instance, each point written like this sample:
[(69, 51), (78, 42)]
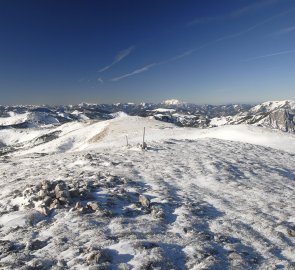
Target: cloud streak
[(191, 51), (234, 14), (100, 80), (270, 55), (284, 31), (252, 8), (119, 57), (137, 71)]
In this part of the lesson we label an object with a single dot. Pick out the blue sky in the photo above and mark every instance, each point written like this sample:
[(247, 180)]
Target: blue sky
[(202, 51)]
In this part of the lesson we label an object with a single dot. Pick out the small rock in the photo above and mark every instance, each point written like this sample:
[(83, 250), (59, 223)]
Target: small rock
[(158, 212), (46, 185), (35, 244), (47, 201), (55, 204), (88, 156), (64, 200), (94, 206), (15, 207), (74, 192), (78, 205), (94, 257), (235, 256), (145, 202), (291, 232), (61, 263), (51, 194), (29, 204), (61, 191), (43, 210)]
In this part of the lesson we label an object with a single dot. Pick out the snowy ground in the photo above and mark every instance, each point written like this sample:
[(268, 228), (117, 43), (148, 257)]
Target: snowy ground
[(221, 198)]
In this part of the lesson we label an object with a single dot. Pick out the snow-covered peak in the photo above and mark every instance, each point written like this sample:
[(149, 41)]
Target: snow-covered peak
[(86, 104), (172, 102), (273, 105)]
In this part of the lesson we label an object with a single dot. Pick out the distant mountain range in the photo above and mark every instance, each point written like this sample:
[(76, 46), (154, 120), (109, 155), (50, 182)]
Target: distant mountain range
[(271, 114)]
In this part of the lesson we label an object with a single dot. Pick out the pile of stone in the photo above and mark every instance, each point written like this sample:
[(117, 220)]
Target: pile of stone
[(77, 196), (49, 195)]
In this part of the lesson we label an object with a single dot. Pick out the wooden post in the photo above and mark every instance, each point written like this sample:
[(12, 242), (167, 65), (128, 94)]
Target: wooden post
[(144, 145), (143, 137), (127, 144)]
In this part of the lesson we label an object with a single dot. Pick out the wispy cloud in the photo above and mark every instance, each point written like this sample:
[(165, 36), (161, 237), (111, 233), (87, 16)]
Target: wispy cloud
[(100, 80), (182, 55), (234, 14), (258, 5), (253, 27), (270, 55), (119, 57), (226, 37), (284, 31), (137, 71)]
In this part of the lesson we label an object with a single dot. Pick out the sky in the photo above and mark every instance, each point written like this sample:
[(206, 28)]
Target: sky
[(200, 51)]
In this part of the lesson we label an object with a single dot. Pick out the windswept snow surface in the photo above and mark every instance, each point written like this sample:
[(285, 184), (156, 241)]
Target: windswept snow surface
[(221, 198)]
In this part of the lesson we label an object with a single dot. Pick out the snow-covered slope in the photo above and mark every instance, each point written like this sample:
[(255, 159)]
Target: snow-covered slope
[(218, 198), (76, 136)]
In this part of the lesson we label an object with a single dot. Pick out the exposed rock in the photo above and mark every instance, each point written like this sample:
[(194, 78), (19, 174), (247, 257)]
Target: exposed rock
[(158, 212), (29, 204), (88, 156), (5, 246), (42, 193), (55, 204), (47, 201), (281, 119), (74, 192), (35, 244), (291, 232), (46, 185), (64, 200), (78, 205), (98, 257), (62, 191), (43, 210), (144, 201), (94, 206), (94, 257)]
